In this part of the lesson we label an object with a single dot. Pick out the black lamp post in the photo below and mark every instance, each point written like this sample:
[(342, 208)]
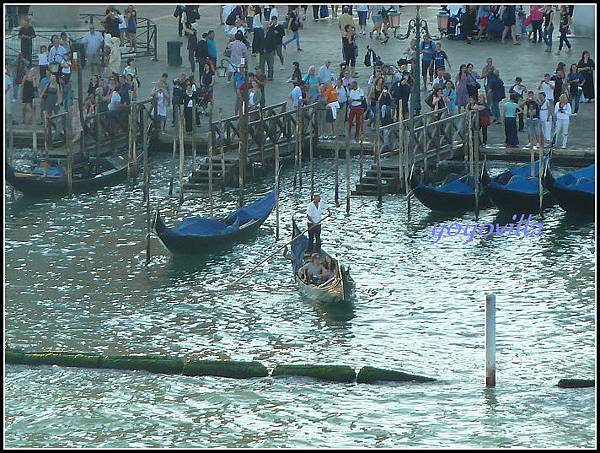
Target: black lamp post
[(419, 26)]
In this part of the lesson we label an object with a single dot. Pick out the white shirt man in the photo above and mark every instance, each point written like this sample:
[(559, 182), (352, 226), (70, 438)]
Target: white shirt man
[(315, 210), (92, 42), (355, 97), (548, 89), (296, 95), (325, 73), (115, 101)]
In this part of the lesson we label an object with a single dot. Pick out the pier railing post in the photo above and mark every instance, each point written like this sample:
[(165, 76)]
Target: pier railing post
[(175, 134), (243, 148), (400, 148), (296, 149), (490, 340), (210, 163), (146, 191), (66, 117), (337, 171), (378, 150), (540, 186), (311, 151)]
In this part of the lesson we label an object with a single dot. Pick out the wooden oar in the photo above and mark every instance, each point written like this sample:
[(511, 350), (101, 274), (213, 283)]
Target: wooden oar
[(274, 253)]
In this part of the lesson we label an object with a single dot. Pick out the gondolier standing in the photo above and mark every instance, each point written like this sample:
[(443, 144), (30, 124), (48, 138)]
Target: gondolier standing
[(314, 213)]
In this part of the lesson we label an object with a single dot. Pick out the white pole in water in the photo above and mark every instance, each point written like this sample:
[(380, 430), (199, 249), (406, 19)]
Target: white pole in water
[(490, 340)]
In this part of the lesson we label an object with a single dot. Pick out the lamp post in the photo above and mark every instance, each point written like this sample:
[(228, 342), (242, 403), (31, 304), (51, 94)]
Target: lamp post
[(419, 26)]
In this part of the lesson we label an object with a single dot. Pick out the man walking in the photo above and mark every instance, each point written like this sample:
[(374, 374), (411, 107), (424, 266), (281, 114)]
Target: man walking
[(314, 213), (273, 43)]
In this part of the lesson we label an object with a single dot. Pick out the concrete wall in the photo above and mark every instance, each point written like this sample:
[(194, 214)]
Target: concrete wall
[(56, 17), (584, 21)]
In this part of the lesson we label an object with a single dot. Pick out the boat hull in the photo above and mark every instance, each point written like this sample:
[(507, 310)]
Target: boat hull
[(448, 202), (571, 199), (518, 202)]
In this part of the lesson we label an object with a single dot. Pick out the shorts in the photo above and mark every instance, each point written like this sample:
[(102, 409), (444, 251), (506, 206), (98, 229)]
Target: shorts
[(483, 21), (329, 116), (362, 18)]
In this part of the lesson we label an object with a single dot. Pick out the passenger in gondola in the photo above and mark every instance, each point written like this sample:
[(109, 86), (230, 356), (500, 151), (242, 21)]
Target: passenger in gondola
[(314, 213), (313, 272)]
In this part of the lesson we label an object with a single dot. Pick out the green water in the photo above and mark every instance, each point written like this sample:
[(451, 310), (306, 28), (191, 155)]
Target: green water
[(75, 280)]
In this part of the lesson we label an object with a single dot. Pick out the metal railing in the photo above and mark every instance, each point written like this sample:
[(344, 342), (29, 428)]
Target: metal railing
[(146, 39)]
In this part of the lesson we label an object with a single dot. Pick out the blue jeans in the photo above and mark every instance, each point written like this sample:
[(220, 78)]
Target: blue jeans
[(496, 110), (548, 35), (295, 36), (575, 101)]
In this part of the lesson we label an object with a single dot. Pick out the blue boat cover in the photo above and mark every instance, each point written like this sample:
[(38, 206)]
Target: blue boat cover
[(582, 180), (463, 185), (53, 172), (519, 179), (202, 227)]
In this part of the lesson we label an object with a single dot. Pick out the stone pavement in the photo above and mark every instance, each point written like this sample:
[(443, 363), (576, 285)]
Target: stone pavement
[(321, 40)]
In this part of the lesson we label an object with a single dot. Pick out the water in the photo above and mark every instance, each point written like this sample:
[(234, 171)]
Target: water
[(75, 280)]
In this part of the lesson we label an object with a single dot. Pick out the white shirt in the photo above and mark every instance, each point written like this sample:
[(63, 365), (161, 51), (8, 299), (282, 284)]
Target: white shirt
[(548, 89), (362, 8), (566, 111), (314, 213), (115, 100), (355, 96), (122, 24), (440, 81), (43, 59), (295, 95), (342, 94), (325, 74)]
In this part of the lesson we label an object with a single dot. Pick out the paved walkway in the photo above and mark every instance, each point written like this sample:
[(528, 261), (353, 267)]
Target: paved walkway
[(321, 40)]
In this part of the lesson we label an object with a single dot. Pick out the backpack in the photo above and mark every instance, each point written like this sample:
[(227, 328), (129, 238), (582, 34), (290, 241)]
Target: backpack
[(367, 61), (232, 15)]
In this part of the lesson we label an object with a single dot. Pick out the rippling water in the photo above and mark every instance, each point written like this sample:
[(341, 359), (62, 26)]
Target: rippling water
[(75, 280)]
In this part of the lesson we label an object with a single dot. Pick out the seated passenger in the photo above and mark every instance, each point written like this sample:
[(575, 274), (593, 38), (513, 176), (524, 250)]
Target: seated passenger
[(312, 272), (328, 268)]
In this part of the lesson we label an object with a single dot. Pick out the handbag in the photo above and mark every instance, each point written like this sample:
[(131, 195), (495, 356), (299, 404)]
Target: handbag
[(364, 105), (429, 100)]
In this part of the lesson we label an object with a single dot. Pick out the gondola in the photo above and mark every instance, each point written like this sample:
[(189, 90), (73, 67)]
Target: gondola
[(575, 191), (51, 180), (338, 289), (515, 190), (196, 235), (455, 194)]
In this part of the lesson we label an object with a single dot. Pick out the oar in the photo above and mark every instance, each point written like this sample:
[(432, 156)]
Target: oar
[(274, 253)]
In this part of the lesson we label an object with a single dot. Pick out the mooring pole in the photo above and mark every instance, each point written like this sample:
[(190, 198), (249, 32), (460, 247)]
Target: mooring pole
[(409, 162), (476, 161), (532, 156), (300, 140), (540, 186), (98, 123), (361, 161), (181, 153), (378, 150), (262, 136), (194, 113), (490, 340), (136, 108), (130, 144), (67, 128), (296, 150), (175, 134), (400, 149), (311, 155), (348, 174), (210, 163), (146, 191), (276, 192), (337, 171), (222, 149), (243, 147), (82, 139)]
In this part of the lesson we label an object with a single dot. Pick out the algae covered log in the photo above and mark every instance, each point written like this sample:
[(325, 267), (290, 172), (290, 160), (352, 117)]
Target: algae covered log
[(67, 359), (576, 383), (225, 368), (144, 363), (369, 375), (334, 373)]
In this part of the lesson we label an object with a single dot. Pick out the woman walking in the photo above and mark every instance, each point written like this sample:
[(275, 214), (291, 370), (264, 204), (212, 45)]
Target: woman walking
[(485, 117), (51, 96), (509, 18), (449, 94), (511, 108), (28, 90), (462, 93), (294, 22), (586, 67), (356, 97), (189, 101), (350, 48), (562, 112), (548, 27), (563, 29), (162, 100), (311, 84)]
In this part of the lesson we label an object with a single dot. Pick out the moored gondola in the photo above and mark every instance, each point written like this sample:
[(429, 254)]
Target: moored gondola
[(575, 191), (41, 180), (516, 191), (337, 288), (196, 235), (455, 194)]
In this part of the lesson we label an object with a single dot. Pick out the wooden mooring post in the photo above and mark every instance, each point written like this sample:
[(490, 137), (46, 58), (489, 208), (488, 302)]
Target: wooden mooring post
[(262, 135), (145, 141), (193, 121), (540, 185), (347, 174), (210, 163), (243, 147), (296, 148), (311, 153), (181, 152), (66, 118), (276, 166), (490, 340), (99, 131), (378, 151), (337, 171), (476, 159), (222, 149), (300, 143), (175, 134), (401, 149)]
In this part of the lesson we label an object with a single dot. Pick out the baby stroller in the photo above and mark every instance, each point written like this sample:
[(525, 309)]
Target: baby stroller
[(204, 100)]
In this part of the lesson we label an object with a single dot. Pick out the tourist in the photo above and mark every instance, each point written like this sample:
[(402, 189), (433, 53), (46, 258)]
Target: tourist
[(26, 35), (241, 88), (254, 96), (314, 214), (130, 68), (131, 20), (162, 100), (325, 74), (532, 113), (111, 22), (496, 92), (357, 100), (294, 25), (350, 49), (330, 94), (559, 84), (439, 60), (372, 98), (509, 19), (545, 118), (486, 71), (296, 94), (586, 67), (66, 67), (55, 56), (76, 127), (363, 13), (468, 22), (548, 12), (547, 87), (207, 82), (485, 117), (511, 108), (576, 81), (212, 48), (42, 61), (313, 271), (562, 113), (238, 52), (93, 84), (65, 41), (449, 95), (258, 33), (426, 50), (202, 52), (133, 85), (311, 84), (519, 90), (28, 90), (124, 90), (342, 116), (440, 78), (189, 101), (92, 44), (473, 85), (114, 62), (51, 98), (536, 15), (273, 43), (563, 29), (462, 92), (192, 42), (122, 26)]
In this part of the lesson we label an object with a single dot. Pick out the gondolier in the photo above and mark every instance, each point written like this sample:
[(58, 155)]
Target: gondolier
[(314, 213)]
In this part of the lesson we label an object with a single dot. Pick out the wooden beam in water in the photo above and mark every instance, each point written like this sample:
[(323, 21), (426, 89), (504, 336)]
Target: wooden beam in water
[(181, 153)]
